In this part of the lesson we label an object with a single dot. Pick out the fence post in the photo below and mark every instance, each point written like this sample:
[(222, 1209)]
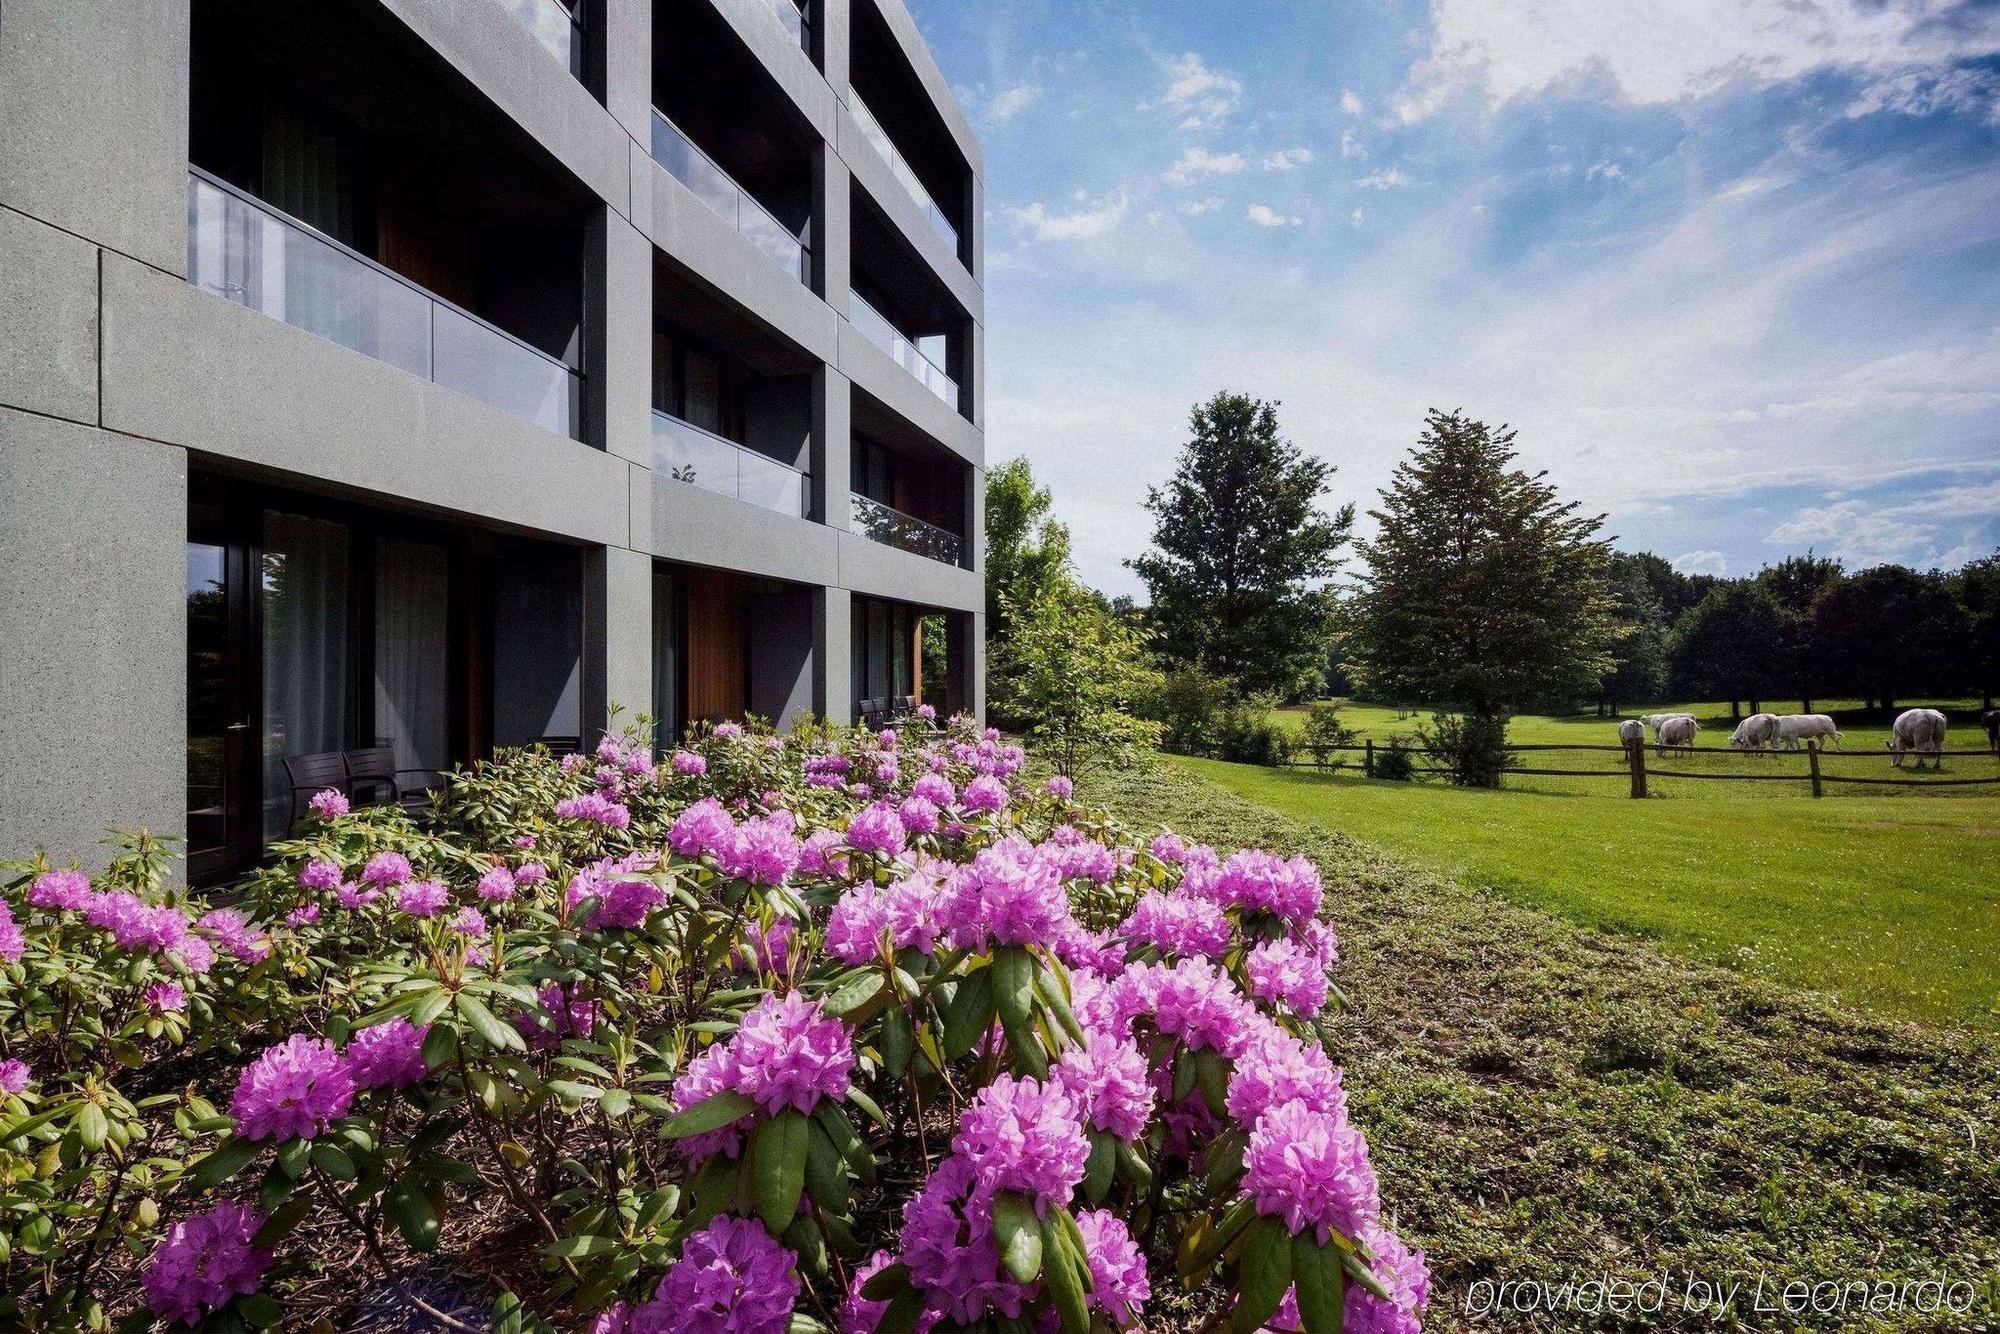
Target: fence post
[(1637, 754), (1368, 759), (1812, 762)]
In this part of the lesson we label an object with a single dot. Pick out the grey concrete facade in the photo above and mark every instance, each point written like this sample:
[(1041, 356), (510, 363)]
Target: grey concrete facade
[(120, 380)]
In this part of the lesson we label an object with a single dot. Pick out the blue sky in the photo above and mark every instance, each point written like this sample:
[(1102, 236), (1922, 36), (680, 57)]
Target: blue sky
[(1731, 267)]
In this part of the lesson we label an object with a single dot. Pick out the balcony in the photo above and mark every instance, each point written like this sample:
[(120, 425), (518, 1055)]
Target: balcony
[(686, 453), (247, 252), (555, 26), (899, 167), (875, 327), (906, 532), (714, 187)]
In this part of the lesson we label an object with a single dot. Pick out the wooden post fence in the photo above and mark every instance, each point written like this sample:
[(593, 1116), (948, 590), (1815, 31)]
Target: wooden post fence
[(1637, 753), (1368, 759), (1812, 764)]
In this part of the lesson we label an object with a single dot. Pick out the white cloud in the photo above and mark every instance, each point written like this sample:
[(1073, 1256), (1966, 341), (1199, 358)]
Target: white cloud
[(1196, 207), (1011, 101), (1603, 171), (1350, 103), (1660, 51), (1358, 217), (1093, 220), (1351, 147), (1287, 158), (1197, 162), (1198, 95), (1971, 92), (1391, 179), (1702, 562), (1920, 533), (1266, 216)]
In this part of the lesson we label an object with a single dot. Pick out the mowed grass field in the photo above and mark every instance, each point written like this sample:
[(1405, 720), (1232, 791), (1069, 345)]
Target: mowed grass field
[(1886, 897)]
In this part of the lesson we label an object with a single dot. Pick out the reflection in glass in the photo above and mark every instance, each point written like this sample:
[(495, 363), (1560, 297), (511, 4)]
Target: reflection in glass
[(899, 167), (715, 188), (686, 453), (876, 328), (906, 532), (207, 698), (304, 591)]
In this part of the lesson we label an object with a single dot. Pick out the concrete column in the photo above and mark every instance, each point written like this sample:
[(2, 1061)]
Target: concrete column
[(94, 101), (966, 653), (621, 67), (93, 681), (975, 372), (618, 336), (974, 518), (835, 23), (831, 238), (833, 664), (832, 432), (975, 225), (617, 637)]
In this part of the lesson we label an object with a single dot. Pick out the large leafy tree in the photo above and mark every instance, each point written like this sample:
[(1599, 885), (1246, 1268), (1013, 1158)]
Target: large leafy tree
[(1027, 551), (1731, 645), (1979, 593), (1889, 630), (1639, 670), (1797, 583), (1241, 552), (1484, 589)]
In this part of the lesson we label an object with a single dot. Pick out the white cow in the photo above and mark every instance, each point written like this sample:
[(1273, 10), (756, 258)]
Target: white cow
[(1757, 732), (1678, 733), (1919, 732), (1653, 720), (1796, 727), (1632, 732)]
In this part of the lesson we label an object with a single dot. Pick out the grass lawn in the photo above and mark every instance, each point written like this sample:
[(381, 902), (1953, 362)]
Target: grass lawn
[(1891, 902), (1551, 1103)]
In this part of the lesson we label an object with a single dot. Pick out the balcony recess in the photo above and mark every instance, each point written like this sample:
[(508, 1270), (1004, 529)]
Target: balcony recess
[(875, 327), (906, 532), (899, 167), (715, 187), (686, 453)]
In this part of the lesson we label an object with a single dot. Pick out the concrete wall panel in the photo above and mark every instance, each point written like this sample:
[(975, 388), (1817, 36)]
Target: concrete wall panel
[(897, 204), (879, 374), (93, 683), (781, 55), (868, 566), (48, 335), (94, 121), (699, 527)]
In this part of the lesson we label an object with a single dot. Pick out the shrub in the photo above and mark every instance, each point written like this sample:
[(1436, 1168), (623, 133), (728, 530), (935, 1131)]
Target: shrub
[(1397, 760), (1185, 704), (1470, 748), (857, 1024), (1323, 728), (1246, 734)]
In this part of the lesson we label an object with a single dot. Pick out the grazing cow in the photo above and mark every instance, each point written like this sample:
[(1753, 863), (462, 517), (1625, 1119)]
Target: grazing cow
[(1918, 732), (1653, 720), (1991, 720), (1796, 727), (1677, 733), (1757, 732), (1632, 732)]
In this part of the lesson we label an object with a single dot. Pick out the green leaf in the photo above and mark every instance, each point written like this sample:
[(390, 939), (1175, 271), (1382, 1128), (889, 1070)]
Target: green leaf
[(1013, 986), (826, 1170), (887, 1282), (261, 1309), (330, 1160), (1262, 1275), (499, 1036), (1102, 1167), (440, 1045), (414, 1215), (903, 1313), (778, 1148), (1316, 1278), (573, 1248), (897, 1040), (1052, 996), (1020, 1235), (575, 1092), (280, 1224), (853, 996), (1067, 1272), (615, 1103), (231, 1157), (711, 1113), (868, 1105), (970, 1015)]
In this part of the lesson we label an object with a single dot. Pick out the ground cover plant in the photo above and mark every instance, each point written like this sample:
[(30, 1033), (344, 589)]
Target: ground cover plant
[(1549, 1104), (847, 1031)]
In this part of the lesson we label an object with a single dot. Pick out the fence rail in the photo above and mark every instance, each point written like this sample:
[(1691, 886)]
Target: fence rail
[(1634, 768)]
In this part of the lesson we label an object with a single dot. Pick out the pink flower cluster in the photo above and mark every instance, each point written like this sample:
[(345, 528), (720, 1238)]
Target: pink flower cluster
[(596, 808), (204, 1262), (1009, 894), (786, 1053), (732, 1278)]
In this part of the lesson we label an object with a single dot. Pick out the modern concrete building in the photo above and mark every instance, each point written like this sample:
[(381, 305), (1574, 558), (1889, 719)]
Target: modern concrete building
[(443, 374)]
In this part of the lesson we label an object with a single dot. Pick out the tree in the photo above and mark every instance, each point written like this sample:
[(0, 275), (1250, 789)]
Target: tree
[(1241, 551), (1888, 630), (1483, 588), (1072, 672), (1026, 550), (1639, 670), (1979, 593), (1731, 645), (1798, 582)]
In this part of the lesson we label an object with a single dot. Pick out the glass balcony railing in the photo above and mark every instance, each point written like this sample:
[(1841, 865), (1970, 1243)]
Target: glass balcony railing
[(876, 328), (686, 453), (247, 252), (906, 532), (792, 18), (899, 167), (698, 172), (555, 26)]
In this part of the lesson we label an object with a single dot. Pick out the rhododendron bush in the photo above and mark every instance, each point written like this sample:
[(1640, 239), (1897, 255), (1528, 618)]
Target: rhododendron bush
[(829, 1031)]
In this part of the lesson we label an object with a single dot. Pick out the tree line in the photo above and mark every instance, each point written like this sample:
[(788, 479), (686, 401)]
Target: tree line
[(1481, 592)]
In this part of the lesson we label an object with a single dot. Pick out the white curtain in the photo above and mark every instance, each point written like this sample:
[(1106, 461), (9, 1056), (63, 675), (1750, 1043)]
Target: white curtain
[(412, 582), (303, 583)]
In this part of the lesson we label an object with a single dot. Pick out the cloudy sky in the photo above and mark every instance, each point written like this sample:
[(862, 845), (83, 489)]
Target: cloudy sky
[(1731, 267)]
